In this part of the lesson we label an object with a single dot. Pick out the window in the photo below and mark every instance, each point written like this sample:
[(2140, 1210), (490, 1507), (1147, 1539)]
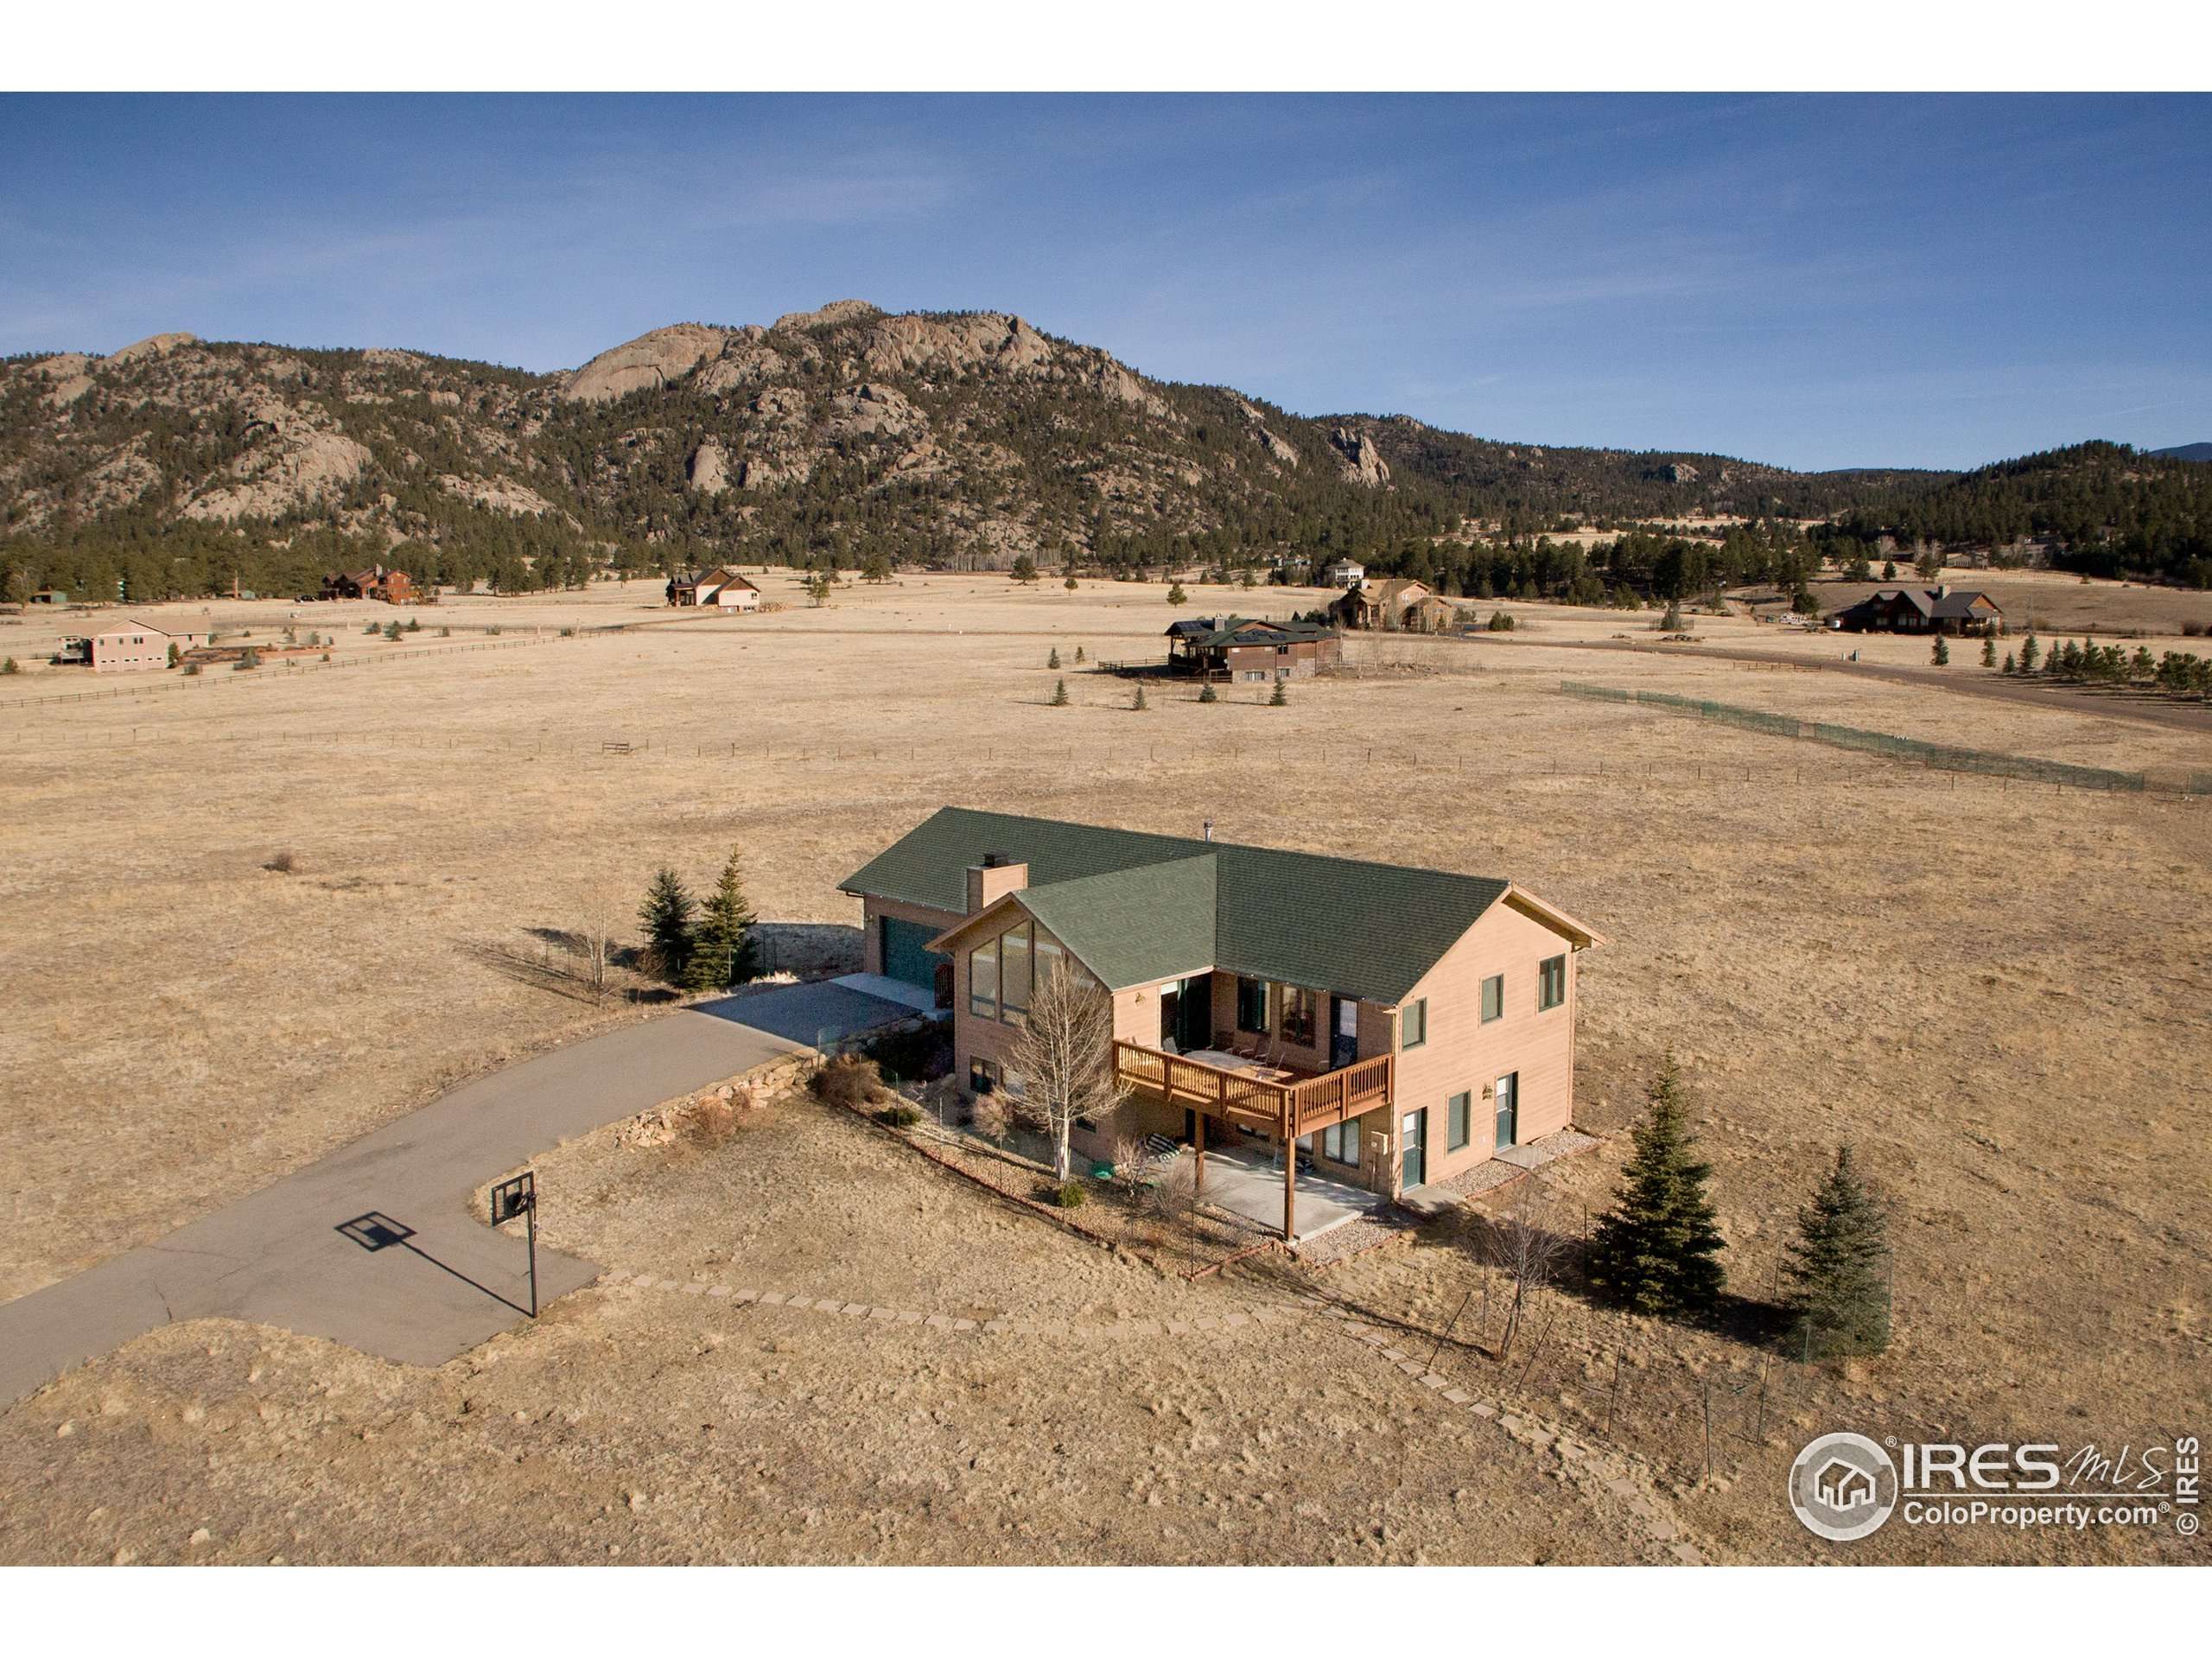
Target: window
[(1014, 973), (1248, 675), (1298, 1008), (1340, 1142), (982, 1076), (1457, 1112), (1493, 998), (1551, 982), (1251, 1004), (1413, 1024), (1045, 957), (983, 980)]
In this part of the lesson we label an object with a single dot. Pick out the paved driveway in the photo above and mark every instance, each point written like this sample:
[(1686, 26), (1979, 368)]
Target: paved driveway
[(278, 1257)]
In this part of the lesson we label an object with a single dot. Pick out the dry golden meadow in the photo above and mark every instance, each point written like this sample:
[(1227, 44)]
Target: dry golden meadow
[(1997, 994)]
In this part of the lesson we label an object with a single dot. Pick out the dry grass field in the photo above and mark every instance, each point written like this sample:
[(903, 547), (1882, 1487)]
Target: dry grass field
[(1998, 994)]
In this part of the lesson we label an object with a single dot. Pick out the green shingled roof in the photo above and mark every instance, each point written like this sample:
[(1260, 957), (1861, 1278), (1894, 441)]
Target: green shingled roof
[(1137, 907)]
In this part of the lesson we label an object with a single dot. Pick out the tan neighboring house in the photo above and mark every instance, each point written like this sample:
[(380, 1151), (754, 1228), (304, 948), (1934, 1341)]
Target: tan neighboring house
[(132, 648), (1393, 603), (1400, 1025), (722, 588)]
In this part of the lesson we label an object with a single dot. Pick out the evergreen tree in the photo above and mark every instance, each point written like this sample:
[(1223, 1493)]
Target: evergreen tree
[(666, 917), (1942, 655), (1025, 569), (1176, 595), (1889, 569), (1137, 701), (1052, 657), (1069, 584), (1656, 1250), (1989, 651), (722, 948), (1206, 693), (1282, 695), (1078, 654), (1838, 1267), (2029, 653), (1060, 694), (2010, 667)]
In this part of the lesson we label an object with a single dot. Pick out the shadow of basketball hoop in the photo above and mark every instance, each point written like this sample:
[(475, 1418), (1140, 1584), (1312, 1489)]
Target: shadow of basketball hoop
[(377, 1231)]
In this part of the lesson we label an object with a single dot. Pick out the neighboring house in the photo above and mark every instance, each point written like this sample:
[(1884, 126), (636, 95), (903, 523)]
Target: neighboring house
[(1382, 604), (723, 587), (1235, 648), (371, 582), (50, 596), (1342, 573), (1403, 1025), (1921, 610), (130, 648)]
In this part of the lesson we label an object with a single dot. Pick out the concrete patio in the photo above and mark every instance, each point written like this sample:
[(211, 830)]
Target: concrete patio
[(1247, 1182)]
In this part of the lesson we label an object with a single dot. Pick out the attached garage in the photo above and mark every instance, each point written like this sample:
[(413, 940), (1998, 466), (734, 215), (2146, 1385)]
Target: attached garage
[(904, 951)]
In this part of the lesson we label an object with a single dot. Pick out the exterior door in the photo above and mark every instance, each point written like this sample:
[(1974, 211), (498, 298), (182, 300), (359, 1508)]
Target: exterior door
[(1416, 1155), (1509, 1111), (1343, 1032), (906, 954), (1170, 1026)]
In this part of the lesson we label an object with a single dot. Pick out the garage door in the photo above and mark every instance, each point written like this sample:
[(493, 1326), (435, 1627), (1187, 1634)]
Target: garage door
[(905, 953)]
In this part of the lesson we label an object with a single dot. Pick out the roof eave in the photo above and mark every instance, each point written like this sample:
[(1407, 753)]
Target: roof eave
[(1580, 934)]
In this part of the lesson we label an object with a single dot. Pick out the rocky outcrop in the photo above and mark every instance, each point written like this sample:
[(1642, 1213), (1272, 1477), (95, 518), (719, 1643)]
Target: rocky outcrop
[(292, 460), (498, 494), (1278, 451), (873, 410), (708, 471), (835, 311), (1361, 463), (646, 363), (152, 345), (1680, 471)]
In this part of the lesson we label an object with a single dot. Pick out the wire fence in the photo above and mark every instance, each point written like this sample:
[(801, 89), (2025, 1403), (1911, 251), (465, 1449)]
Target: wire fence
[(1938, 756)]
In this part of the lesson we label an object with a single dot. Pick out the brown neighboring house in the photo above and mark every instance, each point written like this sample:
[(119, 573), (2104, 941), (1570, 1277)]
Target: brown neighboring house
[(1396, 602), (1237, 648), (1400, 1025), (371, 582), (1921, 610)]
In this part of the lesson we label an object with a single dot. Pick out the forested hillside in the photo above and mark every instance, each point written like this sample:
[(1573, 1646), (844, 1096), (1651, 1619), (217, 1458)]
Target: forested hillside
[(178, 466)]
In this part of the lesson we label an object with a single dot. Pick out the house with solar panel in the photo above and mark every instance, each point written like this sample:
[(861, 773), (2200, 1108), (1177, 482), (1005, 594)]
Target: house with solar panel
[(1396, 1026)]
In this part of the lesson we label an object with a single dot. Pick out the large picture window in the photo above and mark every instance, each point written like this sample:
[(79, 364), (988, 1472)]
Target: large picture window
[(1551, 982), (1014, 973), (1340, 1142), (1044, 958), (1251, 1004), (983, 980), (1298, 1011)]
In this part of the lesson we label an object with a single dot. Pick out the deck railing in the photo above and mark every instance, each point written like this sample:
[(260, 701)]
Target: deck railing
[(1296, 1107)]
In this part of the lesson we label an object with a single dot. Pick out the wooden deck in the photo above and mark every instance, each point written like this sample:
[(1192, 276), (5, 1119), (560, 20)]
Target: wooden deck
[(1256, 1095)]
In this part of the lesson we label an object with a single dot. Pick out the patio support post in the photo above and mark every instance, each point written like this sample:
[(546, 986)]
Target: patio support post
[(1289, 1181)]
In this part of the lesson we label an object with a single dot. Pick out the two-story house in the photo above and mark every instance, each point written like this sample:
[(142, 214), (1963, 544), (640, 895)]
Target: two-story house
[(1400, 1025)]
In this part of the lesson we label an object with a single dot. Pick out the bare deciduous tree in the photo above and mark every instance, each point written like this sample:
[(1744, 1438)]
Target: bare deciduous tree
[(595, 944), (1064, 1059), (1527, 1241)]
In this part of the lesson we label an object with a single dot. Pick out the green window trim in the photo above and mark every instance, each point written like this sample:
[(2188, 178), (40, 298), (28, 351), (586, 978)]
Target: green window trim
[(1413, 1024), (1494, 998), (1459, 1112), (1551, 982)]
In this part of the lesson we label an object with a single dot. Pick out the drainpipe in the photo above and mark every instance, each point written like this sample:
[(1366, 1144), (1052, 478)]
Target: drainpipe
[(1209, 829)]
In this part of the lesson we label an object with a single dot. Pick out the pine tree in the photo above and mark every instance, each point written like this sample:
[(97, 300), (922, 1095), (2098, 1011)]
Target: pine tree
[(1137, 701), (1078, 655), (1942, 655), (1206, 693), (721, 944), (2010, 667), (1176, 595), (1060, 694), (1988, 650), (1838, 1267), (1052, 657), (1282, 695), (2029, 653), (666, 917), (1656, 1250)]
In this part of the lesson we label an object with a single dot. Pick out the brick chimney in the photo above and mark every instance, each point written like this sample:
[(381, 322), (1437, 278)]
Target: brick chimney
[(992, 879)]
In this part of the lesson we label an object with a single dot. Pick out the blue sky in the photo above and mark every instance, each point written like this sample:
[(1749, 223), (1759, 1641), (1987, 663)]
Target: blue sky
[(1816, 281)]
